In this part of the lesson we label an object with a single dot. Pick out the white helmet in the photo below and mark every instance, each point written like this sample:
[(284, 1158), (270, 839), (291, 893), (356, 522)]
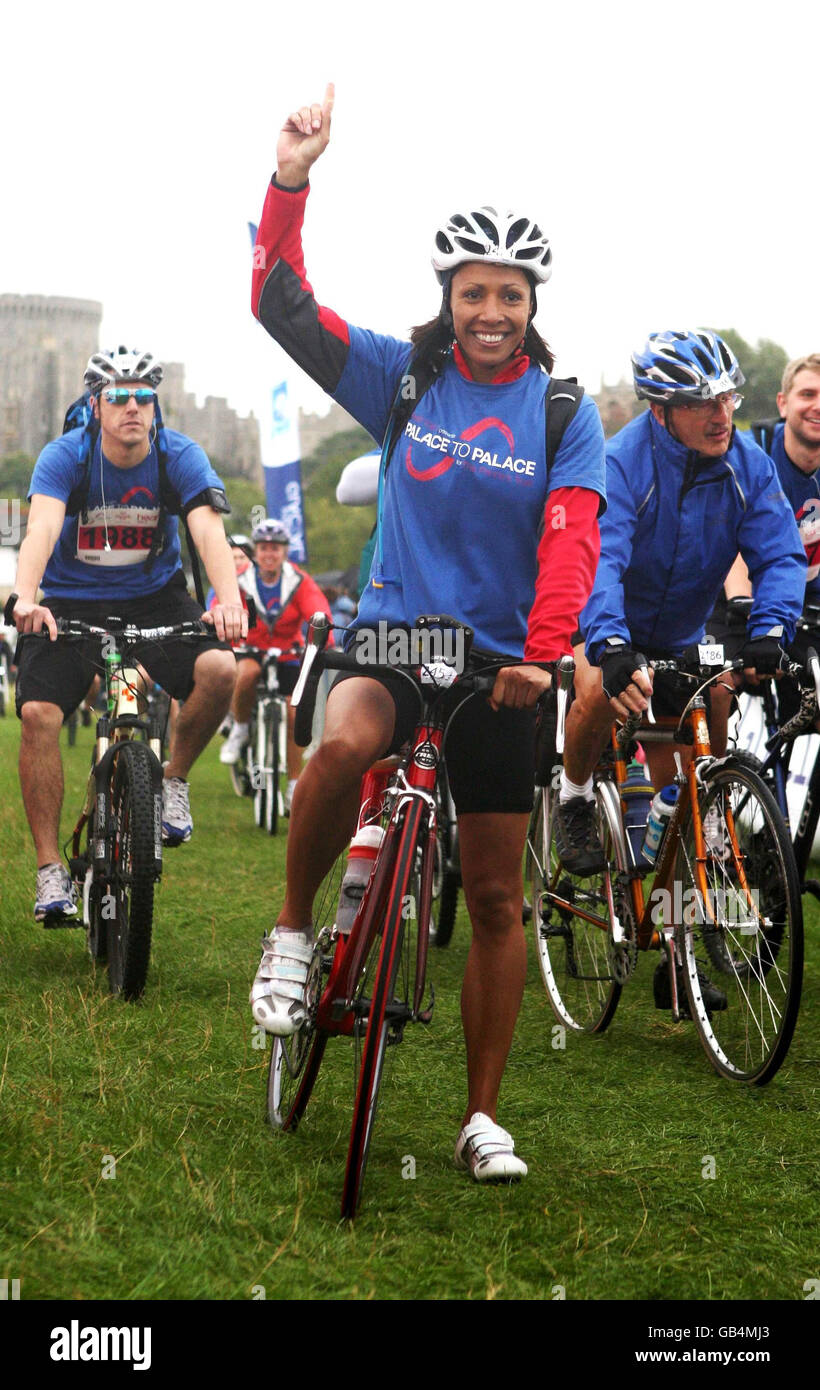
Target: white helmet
[(499, 238), (105, 368)]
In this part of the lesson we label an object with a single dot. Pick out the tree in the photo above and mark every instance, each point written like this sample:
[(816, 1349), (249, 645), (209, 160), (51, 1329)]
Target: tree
[(762, 367), (15, 476)]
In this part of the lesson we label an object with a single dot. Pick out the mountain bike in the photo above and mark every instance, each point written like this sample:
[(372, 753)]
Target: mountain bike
[(115, 857), (370, 984), (725, 896), (258, 770)]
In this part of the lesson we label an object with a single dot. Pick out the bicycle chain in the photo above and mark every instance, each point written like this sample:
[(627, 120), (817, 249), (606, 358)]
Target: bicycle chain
[(623, 957)]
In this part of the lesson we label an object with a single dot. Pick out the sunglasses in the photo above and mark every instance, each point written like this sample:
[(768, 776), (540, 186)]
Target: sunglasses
[(730, 398), (121, 395)]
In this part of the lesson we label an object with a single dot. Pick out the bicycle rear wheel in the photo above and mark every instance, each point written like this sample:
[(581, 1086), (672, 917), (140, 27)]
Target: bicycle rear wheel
[(383, 998), (450, 880), (272, 769), (743, 924), (576, 956), (295, 1061), (132, 885)]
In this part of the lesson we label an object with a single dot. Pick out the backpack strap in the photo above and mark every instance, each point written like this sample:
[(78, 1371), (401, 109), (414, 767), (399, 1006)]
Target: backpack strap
[(560, 404)]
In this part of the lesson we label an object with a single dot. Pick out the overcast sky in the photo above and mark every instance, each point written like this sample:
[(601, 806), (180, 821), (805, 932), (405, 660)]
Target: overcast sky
[(666, 149)]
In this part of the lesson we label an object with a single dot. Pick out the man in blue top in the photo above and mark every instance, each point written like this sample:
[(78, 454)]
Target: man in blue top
[(686, 491), (102, 541)]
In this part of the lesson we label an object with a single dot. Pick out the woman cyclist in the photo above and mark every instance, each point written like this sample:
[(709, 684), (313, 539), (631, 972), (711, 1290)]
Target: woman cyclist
[(470, 525)]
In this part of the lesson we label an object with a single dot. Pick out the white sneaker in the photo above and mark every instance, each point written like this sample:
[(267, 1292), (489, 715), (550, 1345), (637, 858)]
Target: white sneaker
[(177, 824), (56, 901), (291, 787), (487, 1151), (278, 993), (231, 750)]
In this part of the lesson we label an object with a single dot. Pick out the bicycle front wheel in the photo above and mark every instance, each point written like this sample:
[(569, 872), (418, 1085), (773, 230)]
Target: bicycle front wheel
[(272, 769), (132, 886), (742, 925), (383, 998), (572, 919)]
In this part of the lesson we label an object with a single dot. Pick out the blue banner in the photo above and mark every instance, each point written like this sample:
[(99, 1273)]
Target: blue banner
[(283, 498)]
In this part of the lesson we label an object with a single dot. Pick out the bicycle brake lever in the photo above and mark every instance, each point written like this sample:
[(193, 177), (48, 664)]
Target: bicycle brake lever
[(318, 633), (565, 670), (643, 667)]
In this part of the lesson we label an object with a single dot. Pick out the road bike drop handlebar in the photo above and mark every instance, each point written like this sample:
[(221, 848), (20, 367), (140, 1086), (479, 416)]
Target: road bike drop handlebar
[(317, 659), (809, 704)]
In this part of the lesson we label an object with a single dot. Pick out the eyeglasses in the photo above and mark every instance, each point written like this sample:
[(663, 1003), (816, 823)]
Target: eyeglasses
[(121, 395), (730, 398)]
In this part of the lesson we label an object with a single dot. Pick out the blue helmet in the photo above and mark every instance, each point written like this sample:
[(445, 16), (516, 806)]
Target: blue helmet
[(676, 367)]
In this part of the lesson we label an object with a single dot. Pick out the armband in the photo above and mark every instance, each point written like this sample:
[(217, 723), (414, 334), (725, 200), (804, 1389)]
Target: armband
[(213, 497)]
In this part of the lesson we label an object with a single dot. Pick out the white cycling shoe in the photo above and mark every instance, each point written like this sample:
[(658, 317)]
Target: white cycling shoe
[(232, 749), (278, 993), (488, 1152)]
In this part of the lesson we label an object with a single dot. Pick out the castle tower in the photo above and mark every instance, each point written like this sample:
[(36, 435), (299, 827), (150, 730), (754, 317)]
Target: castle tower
[(45, 343)]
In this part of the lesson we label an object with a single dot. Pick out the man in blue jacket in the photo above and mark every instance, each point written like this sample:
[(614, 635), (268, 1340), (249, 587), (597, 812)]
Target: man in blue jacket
[(686, 493)]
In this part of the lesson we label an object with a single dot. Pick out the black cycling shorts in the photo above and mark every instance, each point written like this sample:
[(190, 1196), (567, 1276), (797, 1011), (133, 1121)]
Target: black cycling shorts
[(489, 754), (59, 673), (287, 672)]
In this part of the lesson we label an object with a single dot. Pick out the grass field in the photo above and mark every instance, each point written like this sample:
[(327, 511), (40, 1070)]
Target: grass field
[(201, 1200)]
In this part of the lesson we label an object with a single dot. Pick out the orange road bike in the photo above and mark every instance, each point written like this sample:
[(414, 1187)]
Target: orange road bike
[(725, 898)]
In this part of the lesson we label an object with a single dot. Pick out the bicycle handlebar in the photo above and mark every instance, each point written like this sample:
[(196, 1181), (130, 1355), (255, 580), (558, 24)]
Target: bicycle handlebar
[(125, 631), (317, 659)]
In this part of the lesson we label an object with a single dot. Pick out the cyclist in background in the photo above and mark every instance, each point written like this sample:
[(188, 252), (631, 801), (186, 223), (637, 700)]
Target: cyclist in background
[(102, 543), (285, 598), (472, 536), (793, 444), (686, 491)]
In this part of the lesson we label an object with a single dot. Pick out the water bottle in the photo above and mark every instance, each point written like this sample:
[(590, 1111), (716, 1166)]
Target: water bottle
[(637, 792), (360, 858), (663, 805)]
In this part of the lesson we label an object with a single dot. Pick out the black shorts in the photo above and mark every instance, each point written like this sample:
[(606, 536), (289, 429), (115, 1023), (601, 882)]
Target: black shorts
[(287, 672), (730, 629), (489, 754), (59, 673)]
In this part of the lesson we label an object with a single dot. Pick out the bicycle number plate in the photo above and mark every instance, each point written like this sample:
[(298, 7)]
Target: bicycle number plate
[(710, 653), (438, 673)]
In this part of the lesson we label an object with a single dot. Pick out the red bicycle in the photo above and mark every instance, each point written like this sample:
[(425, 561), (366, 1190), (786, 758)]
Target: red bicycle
[(370, 983)]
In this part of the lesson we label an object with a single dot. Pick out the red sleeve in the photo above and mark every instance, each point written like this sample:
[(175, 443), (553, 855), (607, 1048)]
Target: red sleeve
[(310, 600), (567, 560), (282, 298)]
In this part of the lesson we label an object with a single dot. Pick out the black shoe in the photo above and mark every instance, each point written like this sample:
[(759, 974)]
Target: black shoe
[(576, 836), (713, 998)]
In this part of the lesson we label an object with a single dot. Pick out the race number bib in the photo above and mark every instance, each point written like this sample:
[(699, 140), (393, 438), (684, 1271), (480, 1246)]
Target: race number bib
[(710, 654), (128, 531)]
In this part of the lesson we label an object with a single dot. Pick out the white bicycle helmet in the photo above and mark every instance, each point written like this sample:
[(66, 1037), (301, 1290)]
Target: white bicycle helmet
[(122, 364), (498, 238), (271, 529)]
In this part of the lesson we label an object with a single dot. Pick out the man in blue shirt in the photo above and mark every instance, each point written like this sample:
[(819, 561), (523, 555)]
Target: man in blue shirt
[(102, 541)]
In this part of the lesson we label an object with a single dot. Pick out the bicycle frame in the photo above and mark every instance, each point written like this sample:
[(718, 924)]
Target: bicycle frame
[(643, 910), (418, 782)]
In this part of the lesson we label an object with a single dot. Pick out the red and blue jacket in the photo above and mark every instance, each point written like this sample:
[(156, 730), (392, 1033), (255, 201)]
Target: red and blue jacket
[(471, 524)]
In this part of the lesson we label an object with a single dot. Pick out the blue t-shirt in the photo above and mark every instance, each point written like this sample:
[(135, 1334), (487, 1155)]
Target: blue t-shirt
[(465, 492), (271, 596), (101, 552), (803, 492)]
